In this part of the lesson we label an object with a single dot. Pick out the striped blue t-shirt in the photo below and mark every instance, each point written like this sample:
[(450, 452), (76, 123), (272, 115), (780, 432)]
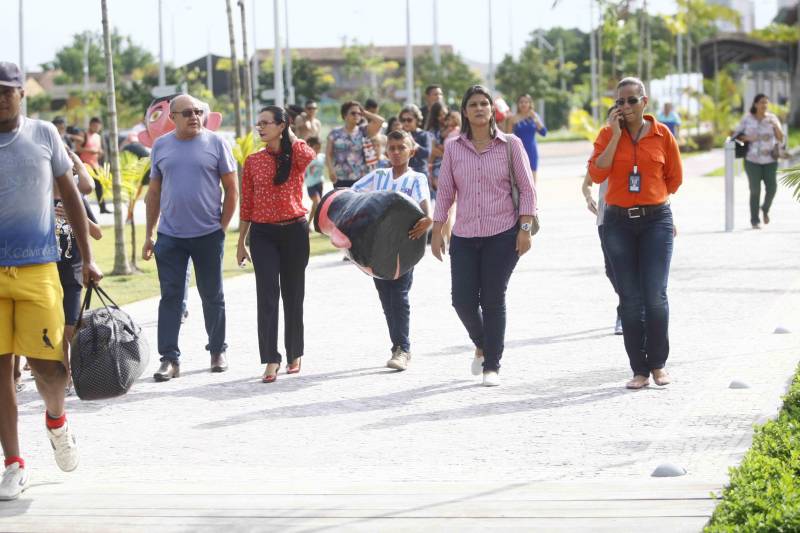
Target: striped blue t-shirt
[(412, 183)]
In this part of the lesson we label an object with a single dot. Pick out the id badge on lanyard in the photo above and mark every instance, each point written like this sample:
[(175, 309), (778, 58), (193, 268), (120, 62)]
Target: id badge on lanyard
[(634, 178)]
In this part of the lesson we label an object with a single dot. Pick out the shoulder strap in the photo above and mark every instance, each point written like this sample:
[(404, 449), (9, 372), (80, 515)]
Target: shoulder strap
[(514, 188)]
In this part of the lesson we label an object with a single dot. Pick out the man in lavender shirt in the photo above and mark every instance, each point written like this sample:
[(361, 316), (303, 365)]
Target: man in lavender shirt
[(188, 166)]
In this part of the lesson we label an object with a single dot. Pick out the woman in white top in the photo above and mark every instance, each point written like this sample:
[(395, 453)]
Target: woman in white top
[(763, 131)]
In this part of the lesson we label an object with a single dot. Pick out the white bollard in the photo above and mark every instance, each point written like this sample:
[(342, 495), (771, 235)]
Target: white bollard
[(730, 160)]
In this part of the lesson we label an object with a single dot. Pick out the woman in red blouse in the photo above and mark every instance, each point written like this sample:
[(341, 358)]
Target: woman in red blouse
[(272, 212)]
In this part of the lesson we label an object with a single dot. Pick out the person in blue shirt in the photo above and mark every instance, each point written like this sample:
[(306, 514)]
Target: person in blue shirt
[(670, 119), (525, 124), (393, 294)]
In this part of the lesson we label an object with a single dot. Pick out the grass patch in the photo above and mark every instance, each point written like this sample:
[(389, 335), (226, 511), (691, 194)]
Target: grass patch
[(764, 491), (793, 139), (738, 168), (127, 289), (560, 135)]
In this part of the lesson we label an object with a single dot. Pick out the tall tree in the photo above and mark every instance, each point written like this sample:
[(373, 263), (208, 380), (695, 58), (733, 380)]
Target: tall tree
[(69, 59), (121, 265), (236, 94), (453, 74), (310, 81)]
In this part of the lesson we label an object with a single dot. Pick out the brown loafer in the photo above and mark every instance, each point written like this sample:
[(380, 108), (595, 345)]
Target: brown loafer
[(167, 371), (661, 377), (218, 362), (638, 382)]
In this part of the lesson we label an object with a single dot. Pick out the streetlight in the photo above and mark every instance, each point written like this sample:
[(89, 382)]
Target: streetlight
[(409, 57), (491, 52), (22, 57)]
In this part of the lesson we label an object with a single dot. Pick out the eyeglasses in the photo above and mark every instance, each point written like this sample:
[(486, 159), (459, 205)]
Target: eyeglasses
[(632, 100), (407, 119), (355, 113), (263, 124), (311, 108), (187, 113)]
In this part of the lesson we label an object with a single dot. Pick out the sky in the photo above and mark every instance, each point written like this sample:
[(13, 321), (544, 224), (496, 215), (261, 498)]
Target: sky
[(192, 28)]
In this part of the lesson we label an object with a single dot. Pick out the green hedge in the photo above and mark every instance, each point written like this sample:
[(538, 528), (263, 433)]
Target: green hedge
[(764, 491)]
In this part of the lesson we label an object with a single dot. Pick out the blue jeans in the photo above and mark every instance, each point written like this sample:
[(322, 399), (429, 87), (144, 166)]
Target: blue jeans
[(172, 259), (480, 268), (640, 250), (609, 269), (394, 300)]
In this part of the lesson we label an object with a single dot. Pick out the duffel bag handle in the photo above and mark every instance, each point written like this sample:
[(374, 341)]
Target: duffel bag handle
[(105, 299)]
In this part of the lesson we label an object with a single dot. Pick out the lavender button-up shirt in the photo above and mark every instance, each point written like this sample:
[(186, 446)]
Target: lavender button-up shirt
[(482, 185)]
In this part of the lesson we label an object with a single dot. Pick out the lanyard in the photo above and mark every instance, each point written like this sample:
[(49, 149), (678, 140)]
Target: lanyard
[(635, 145)]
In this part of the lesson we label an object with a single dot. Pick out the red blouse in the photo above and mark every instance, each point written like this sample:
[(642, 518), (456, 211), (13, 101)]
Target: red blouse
[(265, 202)]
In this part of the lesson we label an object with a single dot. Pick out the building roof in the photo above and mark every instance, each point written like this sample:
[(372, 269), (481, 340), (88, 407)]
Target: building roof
[(335, 54)]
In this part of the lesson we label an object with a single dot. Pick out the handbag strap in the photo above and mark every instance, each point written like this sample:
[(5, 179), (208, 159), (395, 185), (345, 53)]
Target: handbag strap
[(512, 175), (105, 299)]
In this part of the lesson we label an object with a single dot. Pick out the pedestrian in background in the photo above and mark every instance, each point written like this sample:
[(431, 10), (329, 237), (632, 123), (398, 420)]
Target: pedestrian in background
[(526, 124), (347, 153), (763, 131)]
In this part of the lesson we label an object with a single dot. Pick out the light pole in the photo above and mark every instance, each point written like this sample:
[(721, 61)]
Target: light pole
[(289, 82), (254, 67), (162, 78), (277, 66), (491, 51), (22, 57), (409, 57), (437, 56)]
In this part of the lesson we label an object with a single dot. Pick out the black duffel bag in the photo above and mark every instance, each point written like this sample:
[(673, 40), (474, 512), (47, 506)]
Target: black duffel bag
[(109, 351)]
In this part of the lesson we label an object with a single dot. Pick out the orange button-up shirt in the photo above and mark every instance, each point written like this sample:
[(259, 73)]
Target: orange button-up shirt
[(658, 160)]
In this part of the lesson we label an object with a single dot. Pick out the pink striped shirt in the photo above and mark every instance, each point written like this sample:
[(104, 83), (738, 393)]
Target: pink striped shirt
[(482, 185)]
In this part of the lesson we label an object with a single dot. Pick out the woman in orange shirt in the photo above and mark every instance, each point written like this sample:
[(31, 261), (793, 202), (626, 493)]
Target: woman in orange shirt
[(640, 158)]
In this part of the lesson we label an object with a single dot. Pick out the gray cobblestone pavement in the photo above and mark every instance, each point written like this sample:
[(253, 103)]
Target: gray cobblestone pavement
[(561, 424)]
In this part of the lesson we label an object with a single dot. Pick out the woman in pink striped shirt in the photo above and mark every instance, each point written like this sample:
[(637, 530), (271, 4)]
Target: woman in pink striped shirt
[(490, 234)]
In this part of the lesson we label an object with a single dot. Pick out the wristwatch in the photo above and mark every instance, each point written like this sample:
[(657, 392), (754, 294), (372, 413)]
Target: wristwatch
[(526, 227)]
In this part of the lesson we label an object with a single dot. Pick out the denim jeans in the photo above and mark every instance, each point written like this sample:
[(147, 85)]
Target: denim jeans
[(609, 269), (394, 300), (172, 259), (480, 268), (640, 250), (755, 175)]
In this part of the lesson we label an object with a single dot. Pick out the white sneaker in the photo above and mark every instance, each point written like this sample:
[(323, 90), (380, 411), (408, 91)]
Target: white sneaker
[(618, 326), (491, 378), (477, 365), (15, 480), (64, 446), (399, 360)]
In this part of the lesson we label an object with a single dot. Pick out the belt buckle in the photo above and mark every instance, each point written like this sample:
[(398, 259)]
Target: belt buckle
[(634, 212)]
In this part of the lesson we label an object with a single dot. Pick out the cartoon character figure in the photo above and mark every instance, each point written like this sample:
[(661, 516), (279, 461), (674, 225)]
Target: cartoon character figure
[(157, 121), (372, 227), (501, 110)]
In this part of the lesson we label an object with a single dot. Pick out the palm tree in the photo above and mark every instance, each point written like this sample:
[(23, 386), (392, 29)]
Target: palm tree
[(791, 178), (121, 265)]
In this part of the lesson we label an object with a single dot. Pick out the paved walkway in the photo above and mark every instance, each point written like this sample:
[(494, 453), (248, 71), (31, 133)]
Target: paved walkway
[(351, 445)]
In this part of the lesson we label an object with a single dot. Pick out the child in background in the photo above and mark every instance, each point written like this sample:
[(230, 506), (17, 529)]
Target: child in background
[(313, 178), (394, 293)]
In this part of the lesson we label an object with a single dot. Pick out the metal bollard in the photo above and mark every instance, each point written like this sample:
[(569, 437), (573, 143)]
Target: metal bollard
[(730, 160)]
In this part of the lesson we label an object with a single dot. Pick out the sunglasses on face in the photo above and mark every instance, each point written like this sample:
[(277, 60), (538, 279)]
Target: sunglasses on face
[(407, 119), (355, 113), (631, 100), (187, 113), (263, 124)]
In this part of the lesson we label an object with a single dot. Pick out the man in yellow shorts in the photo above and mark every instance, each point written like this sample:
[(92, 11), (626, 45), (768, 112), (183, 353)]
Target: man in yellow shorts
[(32, 157)]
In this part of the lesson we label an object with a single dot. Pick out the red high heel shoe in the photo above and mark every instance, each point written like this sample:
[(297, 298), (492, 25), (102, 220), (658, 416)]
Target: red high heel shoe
[(270, 378), (295, 367)]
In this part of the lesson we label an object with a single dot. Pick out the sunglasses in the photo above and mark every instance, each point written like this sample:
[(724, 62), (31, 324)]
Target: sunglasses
[(407, 119), (355, 113), (263, 124), (632, 100), (187, 113)]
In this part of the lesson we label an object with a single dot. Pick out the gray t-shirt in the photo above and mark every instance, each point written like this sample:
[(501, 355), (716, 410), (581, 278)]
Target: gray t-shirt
[(190, 172), (31, 157)]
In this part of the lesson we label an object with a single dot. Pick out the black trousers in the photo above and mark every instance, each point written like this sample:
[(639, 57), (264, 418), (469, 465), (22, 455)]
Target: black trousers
[(280, 256)]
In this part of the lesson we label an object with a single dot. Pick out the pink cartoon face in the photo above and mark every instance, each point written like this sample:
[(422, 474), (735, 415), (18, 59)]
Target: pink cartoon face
[(157, 121)]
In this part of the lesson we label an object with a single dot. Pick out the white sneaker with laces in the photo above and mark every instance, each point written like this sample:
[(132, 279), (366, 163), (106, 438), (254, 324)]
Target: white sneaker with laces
[(65, 448), (399, 360), (15, 480), (477, 365), (491, 378)]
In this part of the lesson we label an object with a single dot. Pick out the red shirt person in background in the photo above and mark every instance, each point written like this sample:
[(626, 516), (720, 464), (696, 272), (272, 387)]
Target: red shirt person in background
[(272, 212)]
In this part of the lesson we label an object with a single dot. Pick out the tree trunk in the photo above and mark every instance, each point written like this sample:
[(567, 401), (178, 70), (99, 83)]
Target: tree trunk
[(121, 265), (236, 96), (248, 85)]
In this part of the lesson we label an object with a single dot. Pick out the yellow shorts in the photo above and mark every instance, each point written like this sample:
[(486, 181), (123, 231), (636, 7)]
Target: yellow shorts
[(31, 312)]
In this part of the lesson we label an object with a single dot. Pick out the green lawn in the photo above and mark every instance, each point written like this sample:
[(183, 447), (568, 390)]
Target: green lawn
[(127, 289)]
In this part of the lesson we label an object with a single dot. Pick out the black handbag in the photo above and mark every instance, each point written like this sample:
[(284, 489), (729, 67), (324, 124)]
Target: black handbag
[(741, 147), (108, 351)]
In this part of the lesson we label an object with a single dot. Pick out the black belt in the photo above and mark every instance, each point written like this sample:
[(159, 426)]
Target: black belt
[(637, 211)]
